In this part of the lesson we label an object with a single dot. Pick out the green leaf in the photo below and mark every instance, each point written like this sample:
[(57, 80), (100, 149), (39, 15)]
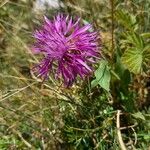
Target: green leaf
[(102, 75), (127, 20), (94, 83), (132, 39), (146, 52), (135, 39), (137, 52), (132, 59), (146, 35), (138, 115)]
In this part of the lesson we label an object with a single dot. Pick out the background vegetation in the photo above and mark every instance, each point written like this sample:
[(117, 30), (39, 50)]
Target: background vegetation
[(109, 111)]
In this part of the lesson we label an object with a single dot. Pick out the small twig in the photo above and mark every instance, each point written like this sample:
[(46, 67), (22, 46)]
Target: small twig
[(131, 126), (5, 2), (135, 135), (21, 89), (122, 145), (23, 140), (85, 130), (15, 77)]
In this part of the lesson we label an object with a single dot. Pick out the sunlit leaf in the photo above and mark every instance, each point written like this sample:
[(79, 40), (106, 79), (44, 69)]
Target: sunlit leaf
[(146, 35), (102, 75), (146, 52), (138, 115), (137, 52), (135, 39), (132, 59), (127, 20)]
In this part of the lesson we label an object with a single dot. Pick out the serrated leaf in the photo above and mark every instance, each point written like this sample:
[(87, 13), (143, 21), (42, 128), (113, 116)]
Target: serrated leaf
[(135, 39), (102, 75), (126, 19), (146, 52), (132, 59)]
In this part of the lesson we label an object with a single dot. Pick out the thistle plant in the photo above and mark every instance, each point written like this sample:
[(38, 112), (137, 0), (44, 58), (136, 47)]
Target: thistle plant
[(69, 48)]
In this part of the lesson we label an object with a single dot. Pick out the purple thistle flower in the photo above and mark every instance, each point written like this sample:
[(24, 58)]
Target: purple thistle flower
[(69, 49)]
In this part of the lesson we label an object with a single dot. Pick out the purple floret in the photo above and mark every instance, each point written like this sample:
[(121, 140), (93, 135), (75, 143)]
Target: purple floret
[(69, 49)]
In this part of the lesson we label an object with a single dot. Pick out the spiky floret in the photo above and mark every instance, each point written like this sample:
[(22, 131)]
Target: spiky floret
[(69, 48)]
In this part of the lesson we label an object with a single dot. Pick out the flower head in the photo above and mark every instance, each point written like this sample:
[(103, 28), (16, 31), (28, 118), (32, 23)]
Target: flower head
[(69, 49)]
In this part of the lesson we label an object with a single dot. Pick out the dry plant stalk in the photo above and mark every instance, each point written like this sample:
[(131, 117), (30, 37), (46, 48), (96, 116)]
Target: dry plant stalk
[(122, 145)]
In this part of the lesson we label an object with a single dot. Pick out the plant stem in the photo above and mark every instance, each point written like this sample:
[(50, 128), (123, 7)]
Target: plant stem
[(112, 27)]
